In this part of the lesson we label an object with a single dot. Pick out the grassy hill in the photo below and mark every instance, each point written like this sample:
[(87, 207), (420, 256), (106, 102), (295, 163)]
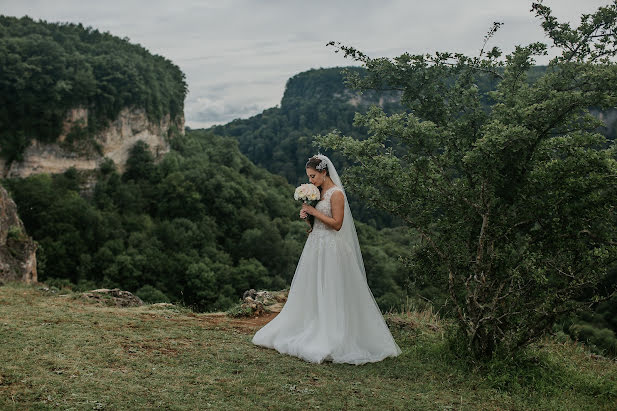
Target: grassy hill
[(59, 351)]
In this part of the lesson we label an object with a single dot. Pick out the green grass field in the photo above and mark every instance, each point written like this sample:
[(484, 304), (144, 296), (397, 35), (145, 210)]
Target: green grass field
[(58, 351)]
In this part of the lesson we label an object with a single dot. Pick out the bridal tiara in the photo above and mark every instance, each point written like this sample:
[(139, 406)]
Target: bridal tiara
[(323, 164)]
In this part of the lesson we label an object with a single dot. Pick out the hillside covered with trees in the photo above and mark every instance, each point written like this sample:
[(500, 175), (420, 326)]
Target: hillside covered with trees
[(49, 68), (200, 227), (315, 101)]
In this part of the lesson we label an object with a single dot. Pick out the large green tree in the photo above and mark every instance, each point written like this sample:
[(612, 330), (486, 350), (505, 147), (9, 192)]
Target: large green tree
[(513, 195)]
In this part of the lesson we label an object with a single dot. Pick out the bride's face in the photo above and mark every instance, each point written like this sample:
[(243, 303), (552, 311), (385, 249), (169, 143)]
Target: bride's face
[(316, 177)]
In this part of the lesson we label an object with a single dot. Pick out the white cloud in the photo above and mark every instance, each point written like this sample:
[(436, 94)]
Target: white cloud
[(206, 111)]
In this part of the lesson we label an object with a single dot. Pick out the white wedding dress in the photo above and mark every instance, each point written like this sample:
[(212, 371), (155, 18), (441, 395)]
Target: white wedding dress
[(330, 312)]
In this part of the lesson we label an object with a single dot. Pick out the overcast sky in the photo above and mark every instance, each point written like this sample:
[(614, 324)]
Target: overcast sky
[(238, 54)]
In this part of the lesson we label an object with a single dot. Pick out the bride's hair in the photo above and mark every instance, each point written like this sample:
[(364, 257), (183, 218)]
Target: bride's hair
[(318, 164)]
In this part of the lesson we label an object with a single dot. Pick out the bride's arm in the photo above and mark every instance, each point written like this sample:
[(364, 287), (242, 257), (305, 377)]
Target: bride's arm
[(337, 204)]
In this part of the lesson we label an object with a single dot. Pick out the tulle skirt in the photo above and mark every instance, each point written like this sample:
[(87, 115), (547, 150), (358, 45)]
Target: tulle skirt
[(330, 313)]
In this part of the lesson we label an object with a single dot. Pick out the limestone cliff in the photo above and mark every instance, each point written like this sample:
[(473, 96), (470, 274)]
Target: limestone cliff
[(115, 143), (17, 250)]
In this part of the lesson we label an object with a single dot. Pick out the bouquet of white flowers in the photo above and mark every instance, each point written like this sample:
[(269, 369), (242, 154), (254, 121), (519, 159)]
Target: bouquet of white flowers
[(309, 194)]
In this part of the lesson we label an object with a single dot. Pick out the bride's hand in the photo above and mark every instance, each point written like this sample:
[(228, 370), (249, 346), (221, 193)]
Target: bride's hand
[(308, 209), (303, 214)]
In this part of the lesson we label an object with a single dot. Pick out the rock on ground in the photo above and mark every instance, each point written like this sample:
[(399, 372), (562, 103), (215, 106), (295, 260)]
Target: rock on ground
[(113, 296), (257, 301)]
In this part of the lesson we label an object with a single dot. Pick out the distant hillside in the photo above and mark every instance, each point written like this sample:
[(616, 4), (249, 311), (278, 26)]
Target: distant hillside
[(315, 102), (63, 85)]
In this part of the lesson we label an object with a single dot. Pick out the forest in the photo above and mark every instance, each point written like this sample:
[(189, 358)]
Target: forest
[(200, 227), (49, 68)]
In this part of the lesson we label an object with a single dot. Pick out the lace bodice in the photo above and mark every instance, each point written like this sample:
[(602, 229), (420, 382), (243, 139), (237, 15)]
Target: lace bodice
[(325, 207)]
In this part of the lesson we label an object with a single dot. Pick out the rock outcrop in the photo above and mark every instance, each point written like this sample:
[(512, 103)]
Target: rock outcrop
[(114, 296), (17, 250), (256, 303), (115, 143)]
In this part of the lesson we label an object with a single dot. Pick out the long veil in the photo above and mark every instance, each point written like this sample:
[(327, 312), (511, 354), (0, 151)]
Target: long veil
[(348, 230)]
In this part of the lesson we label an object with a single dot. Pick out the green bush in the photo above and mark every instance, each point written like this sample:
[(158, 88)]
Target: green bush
[(150, 294), (15, 232), (511, 193), (601, 340)]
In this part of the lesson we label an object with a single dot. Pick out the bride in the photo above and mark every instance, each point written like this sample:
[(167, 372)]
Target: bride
[(330, 313)]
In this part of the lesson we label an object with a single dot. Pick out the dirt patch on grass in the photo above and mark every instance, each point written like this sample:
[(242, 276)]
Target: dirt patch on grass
[(221, 320), (251, 325), (246, 325)]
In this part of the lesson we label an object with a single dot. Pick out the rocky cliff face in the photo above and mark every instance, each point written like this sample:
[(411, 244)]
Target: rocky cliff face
[(115, 141), (17, 250)]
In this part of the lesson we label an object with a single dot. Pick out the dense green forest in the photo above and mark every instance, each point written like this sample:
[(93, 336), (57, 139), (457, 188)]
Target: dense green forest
[(201, 227), (49, 68)]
